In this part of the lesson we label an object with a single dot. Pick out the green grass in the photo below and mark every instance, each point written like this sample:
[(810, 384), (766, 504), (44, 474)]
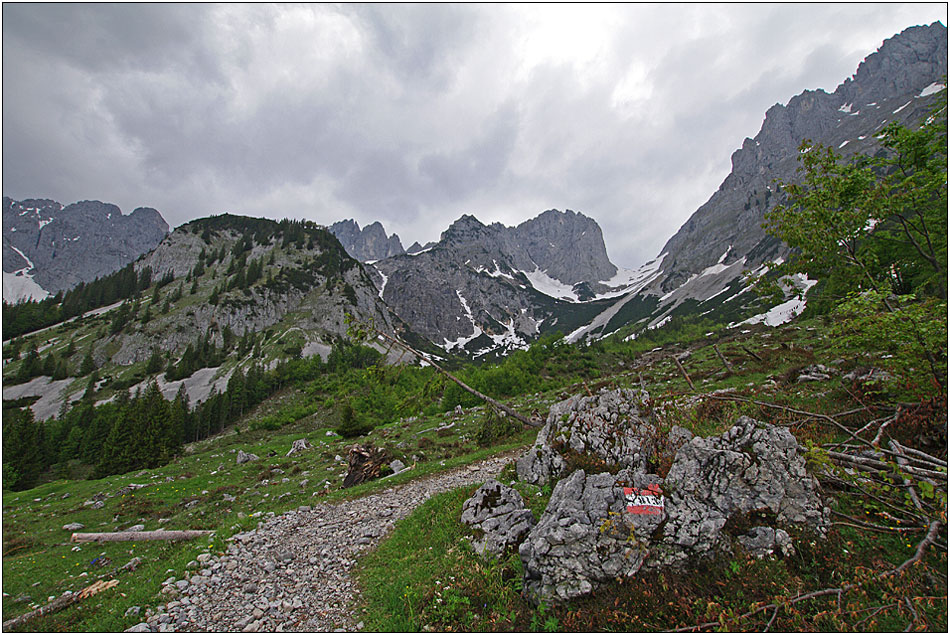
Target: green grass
[(189, 494), (401, 592), (449, 588)]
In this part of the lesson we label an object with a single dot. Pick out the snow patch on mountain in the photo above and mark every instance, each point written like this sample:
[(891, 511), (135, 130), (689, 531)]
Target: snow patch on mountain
[(785, 311), (19, 286), (549, 286)]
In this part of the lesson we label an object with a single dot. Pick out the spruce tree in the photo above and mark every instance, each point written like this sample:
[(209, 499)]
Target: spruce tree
[(88, 364)]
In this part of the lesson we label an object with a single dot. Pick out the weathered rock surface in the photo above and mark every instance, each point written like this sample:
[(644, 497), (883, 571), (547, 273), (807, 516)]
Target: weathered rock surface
[(752, 472), (497, 514), (606, 426), (747, 485), (585, 537)]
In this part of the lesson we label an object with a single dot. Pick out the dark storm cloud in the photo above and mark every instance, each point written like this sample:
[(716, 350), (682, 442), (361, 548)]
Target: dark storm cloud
[(412, 114)]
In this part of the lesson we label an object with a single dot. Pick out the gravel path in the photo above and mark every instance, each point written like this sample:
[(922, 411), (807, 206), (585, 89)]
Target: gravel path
[(292, 573)]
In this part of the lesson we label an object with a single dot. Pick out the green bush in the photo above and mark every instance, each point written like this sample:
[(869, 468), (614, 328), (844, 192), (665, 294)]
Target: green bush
[(494, 427), (350, 425)]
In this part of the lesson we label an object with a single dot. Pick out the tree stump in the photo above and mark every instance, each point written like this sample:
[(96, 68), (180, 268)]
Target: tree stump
[(365, 463)]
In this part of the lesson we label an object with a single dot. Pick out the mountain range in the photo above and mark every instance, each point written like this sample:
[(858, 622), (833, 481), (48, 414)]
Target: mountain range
[(479, 291)]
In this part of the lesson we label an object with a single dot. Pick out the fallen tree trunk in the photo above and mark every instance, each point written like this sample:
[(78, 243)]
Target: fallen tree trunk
[(68, 598), (725, 362), (124, 536), (683, 370)]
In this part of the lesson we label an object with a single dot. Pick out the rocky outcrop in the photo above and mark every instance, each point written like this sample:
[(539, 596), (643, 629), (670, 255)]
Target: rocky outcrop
[(369, 243), (59, 247), (752, 475), (747, 488), (605, 428), (497, 514), (585, 537), (886, 87), (244, 457)]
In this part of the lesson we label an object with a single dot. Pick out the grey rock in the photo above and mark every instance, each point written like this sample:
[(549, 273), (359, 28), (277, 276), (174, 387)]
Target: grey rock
[(243, 457), (141, 627), (753, 471), (133, 611), (397, 466), (497, 514), (764, 541), (585, 538), (602, 526), (607, 425), (74, 527), (136, 528)]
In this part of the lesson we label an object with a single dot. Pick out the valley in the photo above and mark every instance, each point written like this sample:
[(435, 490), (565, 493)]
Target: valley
[(747, 433)]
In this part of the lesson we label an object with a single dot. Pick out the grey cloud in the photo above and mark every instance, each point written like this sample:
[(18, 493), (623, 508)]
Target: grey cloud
[(407, 114)]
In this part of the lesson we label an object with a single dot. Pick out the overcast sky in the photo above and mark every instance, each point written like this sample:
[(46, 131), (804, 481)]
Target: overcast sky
[(413, 115)]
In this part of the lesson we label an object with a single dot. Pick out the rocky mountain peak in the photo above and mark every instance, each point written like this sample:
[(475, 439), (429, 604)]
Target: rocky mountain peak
[(913, 58), (369, 243), (465, 230), (568, 246), (888, 85), (58, 247)]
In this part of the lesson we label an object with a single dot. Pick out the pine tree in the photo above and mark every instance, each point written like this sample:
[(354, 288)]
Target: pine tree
[(88, 364), (23, 448), (154, 364)]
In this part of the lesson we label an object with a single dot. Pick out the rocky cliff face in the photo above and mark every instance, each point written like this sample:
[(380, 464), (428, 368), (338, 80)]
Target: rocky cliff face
[(724, 237), (369, 243), (889, 85), (58, 247), (485, 288)]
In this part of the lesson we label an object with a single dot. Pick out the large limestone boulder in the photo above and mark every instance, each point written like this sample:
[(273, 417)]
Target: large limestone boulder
[(744, 488), (752, 475), (606, 427), (499, 518), (586, 535)]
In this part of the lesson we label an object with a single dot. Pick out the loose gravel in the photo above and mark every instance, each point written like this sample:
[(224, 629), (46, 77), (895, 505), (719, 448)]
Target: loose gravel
[(292, 573)]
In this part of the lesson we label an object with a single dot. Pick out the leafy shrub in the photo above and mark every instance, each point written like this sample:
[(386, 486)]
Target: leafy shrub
[(494, 427), (350, 425)]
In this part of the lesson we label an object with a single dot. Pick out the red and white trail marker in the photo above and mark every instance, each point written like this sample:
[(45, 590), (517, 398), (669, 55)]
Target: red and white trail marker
[(646, 501)]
